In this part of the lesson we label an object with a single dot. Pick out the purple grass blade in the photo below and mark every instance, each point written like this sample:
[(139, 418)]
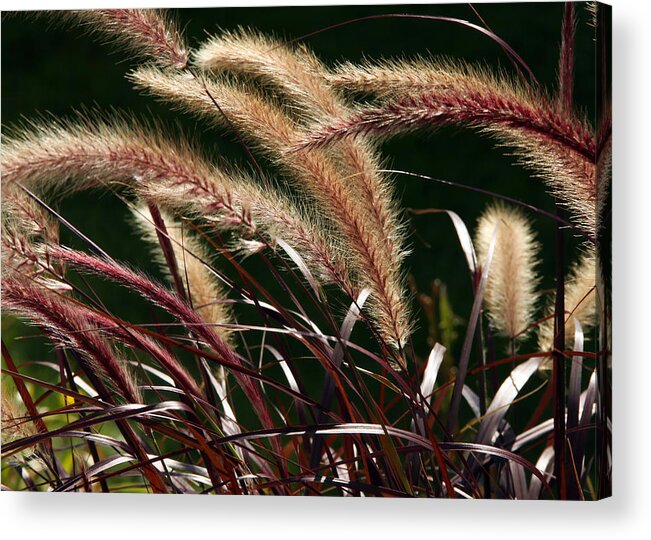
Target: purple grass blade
[(574, 388), (519, 481), (573, 402), (472, 399), (470, 334), (544, 464), (558, 366), (327, 394), (93, 471), (302, 267), (532, 434), (587, 410)]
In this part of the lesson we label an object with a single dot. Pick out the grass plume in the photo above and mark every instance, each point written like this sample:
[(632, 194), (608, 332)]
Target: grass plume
[(279, 354), (66, 156), (148, 33), (273, 131), (558, 147), (206, 295), (300, 78), (510, 294), (65, 325), (580, 303)]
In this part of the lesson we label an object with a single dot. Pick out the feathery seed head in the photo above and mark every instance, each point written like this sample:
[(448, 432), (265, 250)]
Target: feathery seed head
[(272, 129), (67, 327), (148, 33), (14, 421), (510, 294), (580, 302), (559, 148), (294, 71), (192, 260)]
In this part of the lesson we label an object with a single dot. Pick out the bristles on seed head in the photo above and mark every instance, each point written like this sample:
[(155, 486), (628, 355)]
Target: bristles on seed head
[(92, 149), (580, 303), (67, 326), (26, 229), (60, 157), (272, 129), (510, 294), (148, 33), (294, 71), (558, 147), (207, 296), (15, 421), (300, 78)]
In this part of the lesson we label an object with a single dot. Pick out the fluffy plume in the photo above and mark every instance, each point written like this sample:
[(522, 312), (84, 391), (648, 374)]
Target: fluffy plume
[(16, 424), (429, 92), (66, 156), (580, 303), (24, 215), (59, 156), (268, 126), (510, 294), (192, 261), (395, 78), (298, 75), (68, 328), (26, 226), (560, 148), (295, 72), (15, 421), (148, 33)]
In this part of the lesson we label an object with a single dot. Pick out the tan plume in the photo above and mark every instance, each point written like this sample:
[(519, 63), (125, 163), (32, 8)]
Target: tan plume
[(557, 146), (207, 296), (272, 129), (580, 304), (510, 294)]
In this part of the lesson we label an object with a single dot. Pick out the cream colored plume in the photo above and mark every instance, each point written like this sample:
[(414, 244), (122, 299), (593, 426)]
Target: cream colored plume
[(510, 294), (206, 294), (54, 156), (267, 124), (580, 304)]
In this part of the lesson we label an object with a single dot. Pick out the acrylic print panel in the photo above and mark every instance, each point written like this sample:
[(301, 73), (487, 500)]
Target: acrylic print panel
[(334, 250)]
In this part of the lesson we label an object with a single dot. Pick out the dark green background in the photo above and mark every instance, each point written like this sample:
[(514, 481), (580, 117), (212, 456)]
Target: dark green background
[(47, 67)]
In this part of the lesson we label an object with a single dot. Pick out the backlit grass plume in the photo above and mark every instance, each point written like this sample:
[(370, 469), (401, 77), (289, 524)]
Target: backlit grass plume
[(192, 264), (510, 294), (236, 319), (66, 156), (557, 145), (67, 327), (580, 295), (147, 33), (271, 128), (300, 78)]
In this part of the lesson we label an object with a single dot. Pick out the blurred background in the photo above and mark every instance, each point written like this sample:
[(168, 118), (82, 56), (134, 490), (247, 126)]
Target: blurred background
[(47, 67)]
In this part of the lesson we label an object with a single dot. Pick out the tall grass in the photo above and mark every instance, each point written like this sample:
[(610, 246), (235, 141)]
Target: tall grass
[(308, 383)]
